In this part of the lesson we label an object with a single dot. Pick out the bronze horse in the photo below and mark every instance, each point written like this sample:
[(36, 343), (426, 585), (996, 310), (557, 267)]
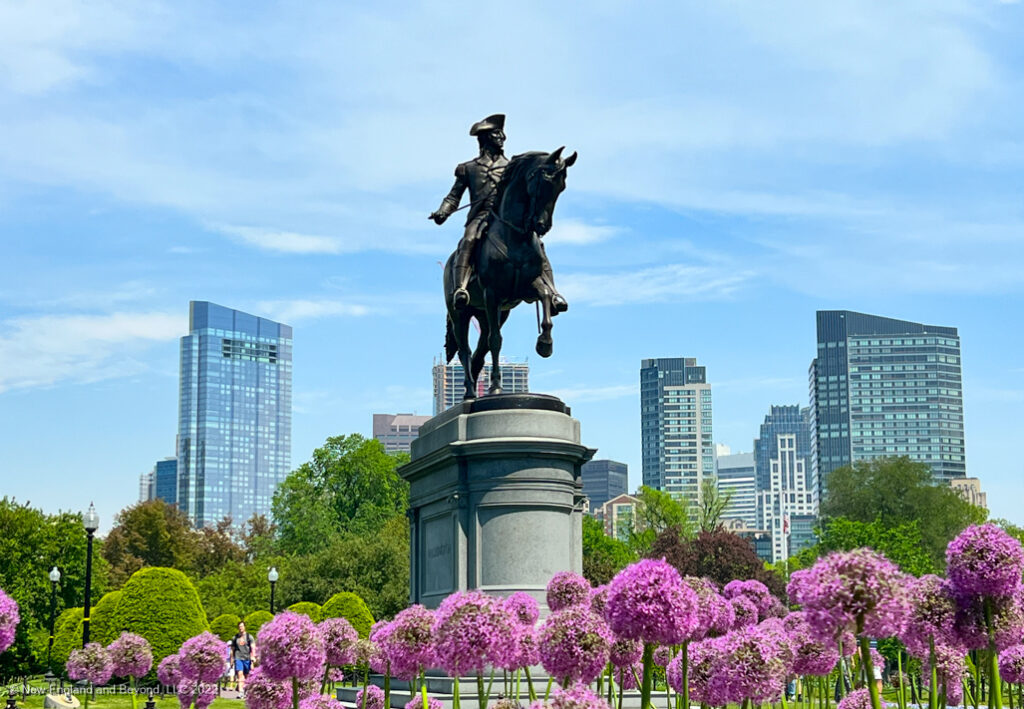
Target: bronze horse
[(507, 265)]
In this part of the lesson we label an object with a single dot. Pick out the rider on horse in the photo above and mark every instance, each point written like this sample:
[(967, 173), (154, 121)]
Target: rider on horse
[(482, 176)]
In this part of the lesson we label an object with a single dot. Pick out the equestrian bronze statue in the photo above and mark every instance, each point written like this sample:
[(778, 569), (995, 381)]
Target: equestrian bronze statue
[(500, 261)]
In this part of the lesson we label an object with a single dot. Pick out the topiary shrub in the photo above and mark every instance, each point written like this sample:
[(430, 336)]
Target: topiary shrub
[(255, 620), (101, 619), (352, 608), (162, 606), (225, 626), (67, 635), (307, 608)]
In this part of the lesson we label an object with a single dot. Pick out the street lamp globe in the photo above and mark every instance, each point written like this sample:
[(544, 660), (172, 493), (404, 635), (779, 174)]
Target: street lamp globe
[(54, 575), (272, 575), (91, 520)]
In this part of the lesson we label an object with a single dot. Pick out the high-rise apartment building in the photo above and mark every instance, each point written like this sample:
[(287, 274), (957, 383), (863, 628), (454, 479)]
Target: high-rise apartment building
[(450, 381), (736, 480), (397, 431), (675, 426), (603, 480), (146, 486), (884, 387), (234, 414)]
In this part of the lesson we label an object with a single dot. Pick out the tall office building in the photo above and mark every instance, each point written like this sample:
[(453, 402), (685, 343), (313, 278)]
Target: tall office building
[(234, 414), (146, 486), (450, 386), (165, 480), (675, 426), (884, 387), (397, 431), (736, 479), (603, 480)]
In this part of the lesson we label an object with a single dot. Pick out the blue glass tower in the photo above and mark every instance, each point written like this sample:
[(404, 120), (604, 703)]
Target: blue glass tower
[(884, 387), (779, 420), (165, 480), (235, 414)]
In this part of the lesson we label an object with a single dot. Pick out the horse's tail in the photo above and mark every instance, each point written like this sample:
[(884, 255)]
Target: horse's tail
[(450, 345)]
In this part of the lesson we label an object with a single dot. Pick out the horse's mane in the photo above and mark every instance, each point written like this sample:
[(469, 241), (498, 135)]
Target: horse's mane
[(516, 169)]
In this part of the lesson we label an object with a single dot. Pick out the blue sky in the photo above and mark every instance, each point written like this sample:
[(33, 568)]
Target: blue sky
[(741, 166)]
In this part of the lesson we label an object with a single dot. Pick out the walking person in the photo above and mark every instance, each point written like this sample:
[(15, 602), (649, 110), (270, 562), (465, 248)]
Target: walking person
[(243, 655)]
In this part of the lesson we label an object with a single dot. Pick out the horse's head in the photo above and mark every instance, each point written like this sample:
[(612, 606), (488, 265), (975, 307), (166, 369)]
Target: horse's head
[(544, 182)]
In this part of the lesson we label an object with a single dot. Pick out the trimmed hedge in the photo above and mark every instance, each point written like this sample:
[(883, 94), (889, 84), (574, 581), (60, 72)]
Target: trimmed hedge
[(225, 626), (67, 636), (161, 605), (351, 607), (255, 620), (307, 608), (101, 619)]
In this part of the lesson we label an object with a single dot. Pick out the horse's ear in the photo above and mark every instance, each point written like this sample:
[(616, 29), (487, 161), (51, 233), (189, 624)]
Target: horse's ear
[(571, 160), (554, 157)]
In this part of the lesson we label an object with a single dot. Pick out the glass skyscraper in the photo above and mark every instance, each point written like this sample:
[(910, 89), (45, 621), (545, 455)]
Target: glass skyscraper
[(450, 381), (235, 414), (675, 426), (603, 480), (884, 387)]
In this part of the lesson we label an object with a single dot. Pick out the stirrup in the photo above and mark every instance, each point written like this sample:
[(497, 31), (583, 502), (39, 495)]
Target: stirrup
[(558, 303)]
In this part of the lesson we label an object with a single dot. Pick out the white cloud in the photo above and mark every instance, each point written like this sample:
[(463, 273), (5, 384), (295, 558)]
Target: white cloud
[(575, 231), (658, 284), (284, 241), (291, 311), (576, 395), (47, 349)]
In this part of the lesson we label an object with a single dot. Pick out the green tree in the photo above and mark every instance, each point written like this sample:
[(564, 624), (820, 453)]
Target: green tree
[(225, 626), (239, 588), (255, 620), (259, 538), (216, 547), (712, 506), (307, 608), (161, 605), (352, 608), (101, 619), (655, 512), (349, 485), (902, 544), (150, 533), (898, 491), (67, 637), (603, 556)]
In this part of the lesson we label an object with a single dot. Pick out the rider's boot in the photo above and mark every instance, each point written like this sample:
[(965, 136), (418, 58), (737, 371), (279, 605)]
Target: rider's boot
[(558, 303), (462, 273)]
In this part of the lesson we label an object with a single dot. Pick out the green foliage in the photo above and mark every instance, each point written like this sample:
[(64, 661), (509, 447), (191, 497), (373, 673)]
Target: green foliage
[(897, 491), (162, 606), (101, 619), (225, 626), (656, 512), (712, 506), (902, 544), (255, 620), (351, 607), (603, 556), (31, 543), (239, 588), (349, 486), (307, 608), (67, 636)]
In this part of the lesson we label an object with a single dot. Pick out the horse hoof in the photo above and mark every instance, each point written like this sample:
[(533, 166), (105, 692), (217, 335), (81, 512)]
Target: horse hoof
[(544, 349), (469, 396), (494, 390)]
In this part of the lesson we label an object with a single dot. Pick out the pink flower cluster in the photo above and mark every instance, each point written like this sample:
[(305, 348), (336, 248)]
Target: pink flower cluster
[(1011, 664), (203, 658), (574, 645), (9, 619), (648, 601), (744, 612), (407, 642), (857, 699), (714, 613), (191, 691), (983, 560), (261, 692), (339, 641), (91, 663), (417, 702), (567, 589), (320, 701), (599, 599), (374, 697), (811, 656), (471, 632), (523, 607), (169, 671), (130, 655), (291, 646), (625, 652), (932, 615), (576, 697)]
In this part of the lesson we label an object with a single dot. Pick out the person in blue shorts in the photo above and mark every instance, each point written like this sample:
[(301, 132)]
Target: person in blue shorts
[(243, 656)]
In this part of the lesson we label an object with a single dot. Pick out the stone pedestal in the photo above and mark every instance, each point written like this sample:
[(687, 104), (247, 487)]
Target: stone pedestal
[(495, 496)]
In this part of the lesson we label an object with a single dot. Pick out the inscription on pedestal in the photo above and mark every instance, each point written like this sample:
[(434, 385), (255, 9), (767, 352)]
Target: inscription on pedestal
[(438, 574)]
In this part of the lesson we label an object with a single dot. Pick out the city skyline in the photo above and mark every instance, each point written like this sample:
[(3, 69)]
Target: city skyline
[(739, 170)]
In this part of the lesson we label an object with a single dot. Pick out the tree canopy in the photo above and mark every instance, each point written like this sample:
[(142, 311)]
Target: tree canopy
[(603, 556)]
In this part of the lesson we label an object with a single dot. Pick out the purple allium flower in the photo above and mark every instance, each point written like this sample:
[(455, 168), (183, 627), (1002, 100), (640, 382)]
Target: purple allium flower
[(858, 590), (576, 697), (523, 607), (704, 656), (261, 692), (574, 645), (169, 671), (599, 599), (971, 631), (724, 615), (365, 652), (374, 698), (744, 612), (9, 619), (709, 606), (567, 589), (471, 630), (662, 655), (335, 674), (857, 699), (756, 592), (291, 646), (409, 642), (628, 675), (339, 641), (320, 701), (754, 664), (522, 649), (417, 702), (91, 663), (1011, 664), (379, 662), (505, 703), (203, 657), (199, 692), (811, 656), (130, 655), (932, 614), (625, 652), (950, 667), (983, 560), (648, 601)]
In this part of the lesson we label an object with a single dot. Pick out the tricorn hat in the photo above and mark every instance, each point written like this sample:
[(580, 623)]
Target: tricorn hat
[(489, 123)]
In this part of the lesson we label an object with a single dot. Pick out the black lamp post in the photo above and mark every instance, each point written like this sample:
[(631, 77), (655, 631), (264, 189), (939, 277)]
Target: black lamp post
[(91, 521), (54, 580), (272, 576)]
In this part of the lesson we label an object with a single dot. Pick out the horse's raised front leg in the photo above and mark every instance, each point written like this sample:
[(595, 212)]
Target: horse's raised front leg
[(492, 306), (545, 345)]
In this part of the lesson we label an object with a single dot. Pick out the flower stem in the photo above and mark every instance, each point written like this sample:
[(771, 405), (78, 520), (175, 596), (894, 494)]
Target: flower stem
[(295, 693), (933, 697), (529, 685), (995, 698), (645, 685), (387, 689), (902, 696), (686, 674), (479, 691), (423, 694), (865, 656), (455, 692)]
